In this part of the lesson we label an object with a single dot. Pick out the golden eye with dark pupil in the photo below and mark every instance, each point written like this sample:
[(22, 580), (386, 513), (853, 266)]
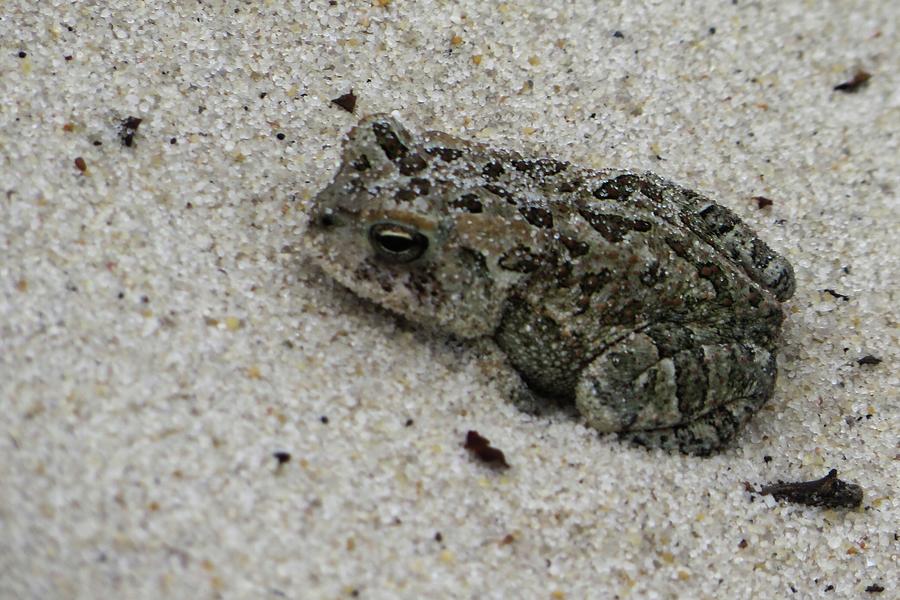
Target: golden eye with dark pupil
[(397, 243)]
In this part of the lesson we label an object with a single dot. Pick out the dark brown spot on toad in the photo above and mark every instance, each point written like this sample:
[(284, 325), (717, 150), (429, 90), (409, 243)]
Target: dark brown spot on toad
[(568, 186), (563, 274), (424, 283), (492, 170), (717, 278), (537, 216), (651, 275), (540, 167), (760, 254), (391, 145), (641, 225), (718, 219), (652, 191), (445, 154), (420, 186), (612, 227), (468, 203), (678, 247), (411, 164), (500, 191), (618, 188), (591, 282), (691, 381), (521, 260), (575, 247), (629, 313)]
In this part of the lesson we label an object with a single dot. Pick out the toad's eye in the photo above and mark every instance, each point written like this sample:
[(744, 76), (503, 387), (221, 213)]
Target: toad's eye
[(397, 243)]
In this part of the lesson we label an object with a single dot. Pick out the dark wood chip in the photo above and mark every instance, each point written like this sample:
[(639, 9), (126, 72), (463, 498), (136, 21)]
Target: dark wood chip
[(827, 492), (868, 359)]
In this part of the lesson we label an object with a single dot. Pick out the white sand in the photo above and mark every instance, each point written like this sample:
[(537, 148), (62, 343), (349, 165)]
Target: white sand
[(159, 341)]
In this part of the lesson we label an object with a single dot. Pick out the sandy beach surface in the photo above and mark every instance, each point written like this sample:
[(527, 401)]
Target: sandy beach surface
[(188, 409)]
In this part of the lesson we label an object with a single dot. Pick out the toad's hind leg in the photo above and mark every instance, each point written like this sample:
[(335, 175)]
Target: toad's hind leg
[(694, 397), (704, 436)]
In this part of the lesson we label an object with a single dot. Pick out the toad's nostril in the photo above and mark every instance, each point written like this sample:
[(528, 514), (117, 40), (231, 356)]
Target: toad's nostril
[(327, 220)]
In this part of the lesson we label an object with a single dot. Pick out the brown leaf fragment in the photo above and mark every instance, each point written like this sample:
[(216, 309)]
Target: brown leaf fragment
[(80, 164), (482, 449), (346, 101), (763, 202), (855, 83), (827, 492)]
